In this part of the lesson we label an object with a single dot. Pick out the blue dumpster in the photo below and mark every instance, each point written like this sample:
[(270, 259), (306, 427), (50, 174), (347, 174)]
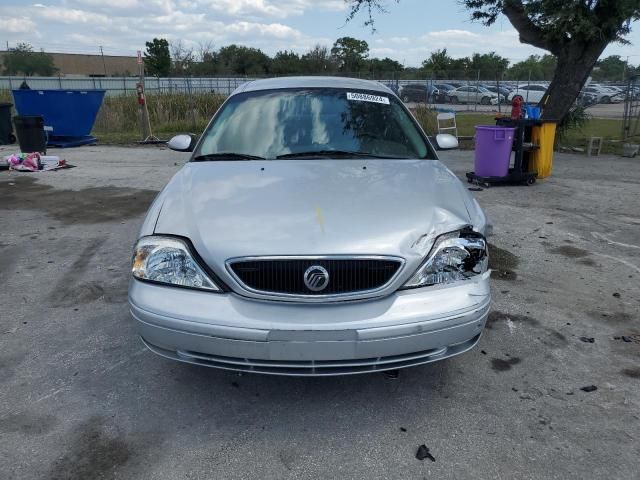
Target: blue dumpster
[(69, 115)]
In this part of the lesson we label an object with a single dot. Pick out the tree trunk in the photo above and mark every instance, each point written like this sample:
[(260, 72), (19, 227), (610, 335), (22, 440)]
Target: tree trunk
[(575, 62)]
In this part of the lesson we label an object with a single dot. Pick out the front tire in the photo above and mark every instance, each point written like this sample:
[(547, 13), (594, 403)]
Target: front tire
[(454, 99), (485, 101)]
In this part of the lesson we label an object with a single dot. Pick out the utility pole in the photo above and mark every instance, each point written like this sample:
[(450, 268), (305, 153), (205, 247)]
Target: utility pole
[(104, 65), (624, 70)]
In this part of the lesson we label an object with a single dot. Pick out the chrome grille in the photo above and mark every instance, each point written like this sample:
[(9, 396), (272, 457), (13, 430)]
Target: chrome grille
[(285, 276)]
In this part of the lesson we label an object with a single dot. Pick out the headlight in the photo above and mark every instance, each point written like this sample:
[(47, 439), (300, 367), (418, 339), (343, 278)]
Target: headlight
[(169, 260), (454, 256)]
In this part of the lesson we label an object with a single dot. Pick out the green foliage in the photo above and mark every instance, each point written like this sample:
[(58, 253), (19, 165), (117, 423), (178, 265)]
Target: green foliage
[(488, 65), (383, 66), (611, 68), (286, 63), (318, 60), (576, 119), (241, 60), (558, 22), (441, 65), (350, 53), (23, 60), (536, 66), (167, 112), (157, 59)]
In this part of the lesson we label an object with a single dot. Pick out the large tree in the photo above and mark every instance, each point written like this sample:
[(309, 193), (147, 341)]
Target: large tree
[(533, 68), (286, 63), (318, 60), (21, 59), (611, 68), (488, 65), (575, 31), (242, 60), (157, 59), (350, 53)]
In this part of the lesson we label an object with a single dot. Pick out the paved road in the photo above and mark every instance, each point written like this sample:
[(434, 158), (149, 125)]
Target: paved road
[(80, 398)]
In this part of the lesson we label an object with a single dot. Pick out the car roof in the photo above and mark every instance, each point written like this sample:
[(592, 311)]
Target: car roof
[(312, 82)]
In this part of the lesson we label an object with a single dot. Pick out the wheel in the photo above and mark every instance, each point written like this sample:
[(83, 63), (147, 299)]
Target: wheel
[(405, 98), (454, 99), (469, 180), (485, 101), (605, 99), (531, 181)]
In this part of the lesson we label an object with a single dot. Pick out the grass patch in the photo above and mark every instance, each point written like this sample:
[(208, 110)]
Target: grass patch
[(118, 120), (609, 129)]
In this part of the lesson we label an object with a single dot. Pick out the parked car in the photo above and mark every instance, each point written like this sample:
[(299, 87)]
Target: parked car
[(604, 95), (531, 93), (586, 99), (443, 91), (312, 232), (471, 94), (393, 86), (502, 91), (418, 92)]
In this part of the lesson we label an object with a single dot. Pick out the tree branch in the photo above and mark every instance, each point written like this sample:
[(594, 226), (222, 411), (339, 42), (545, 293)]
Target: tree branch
[(529, 32)]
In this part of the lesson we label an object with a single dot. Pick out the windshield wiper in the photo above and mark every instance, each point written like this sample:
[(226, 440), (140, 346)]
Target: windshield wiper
[(333, 153), (226, 156)]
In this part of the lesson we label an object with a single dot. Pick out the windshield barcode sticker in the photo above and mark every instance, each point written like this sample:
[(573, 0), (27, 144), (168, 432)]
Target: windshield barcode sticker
[(365, 97)]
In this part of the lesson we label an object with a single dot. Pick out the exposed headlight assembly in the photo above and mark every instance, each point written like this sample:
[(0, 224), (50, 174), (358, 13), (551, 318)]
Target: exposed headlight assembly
[(169, 260), (454, 256)]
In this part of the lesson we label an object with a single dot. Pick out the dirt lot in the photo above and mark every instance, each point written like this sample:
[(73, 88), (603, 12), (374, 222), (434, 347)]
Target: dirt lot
[(80, 398)]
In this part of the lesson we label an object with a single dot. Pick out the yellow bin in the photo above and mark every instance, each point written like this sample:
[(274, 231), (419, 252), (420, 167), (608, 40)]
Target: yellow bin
[(541, 159)]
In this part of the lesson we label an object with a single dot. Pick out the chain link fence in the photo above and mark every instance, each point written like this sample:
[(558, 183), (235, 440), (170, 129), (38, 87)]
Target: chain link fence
[(187, 103)]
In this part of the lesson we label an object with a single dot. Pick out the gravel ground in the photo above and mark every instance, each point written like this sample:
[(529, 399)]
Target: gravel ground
[(81, 398)]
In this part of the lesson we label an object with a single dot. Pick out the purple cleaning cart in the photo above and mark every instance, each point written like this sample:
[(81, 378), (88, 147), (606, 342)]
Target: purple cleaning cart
[(493, 150), (493, 153)]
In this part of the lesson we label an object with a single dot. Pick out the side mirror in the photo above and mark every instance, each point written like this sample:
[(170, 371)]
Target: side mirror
[(182, 143), (446, 141)]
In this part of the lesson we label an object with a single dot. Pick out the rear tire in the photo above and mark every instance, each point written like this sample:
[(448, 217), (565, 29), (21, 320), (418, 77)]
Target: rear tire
[(454, 99), (605, 99)]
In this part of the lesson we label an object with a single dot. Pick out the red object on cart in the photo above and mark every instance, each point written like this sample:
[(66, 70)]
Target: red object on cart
[(516, 107)]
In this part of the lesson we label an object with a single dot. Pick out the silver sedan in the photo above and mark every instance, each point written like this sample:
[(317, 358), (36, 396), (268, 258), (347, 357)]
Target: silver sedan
[(312, 232)]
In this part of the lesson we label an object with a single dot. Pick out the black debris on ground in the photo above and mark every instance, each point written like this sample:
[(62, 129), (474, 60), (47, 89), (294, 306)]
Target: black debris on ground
[(616, 294), (235, 384), (476, 189), (483, 352), (587, 339), (423, 452), (393, 374), (402, 429), (589, 388)]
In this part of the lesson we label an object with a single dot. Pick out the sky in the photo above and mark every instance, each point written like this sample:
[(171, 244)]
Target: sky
[(408, 32)]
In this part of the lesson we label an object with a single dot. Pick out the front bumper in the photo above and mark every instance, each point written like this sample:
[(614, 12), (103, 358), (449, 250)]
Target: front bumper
[(407, 328)]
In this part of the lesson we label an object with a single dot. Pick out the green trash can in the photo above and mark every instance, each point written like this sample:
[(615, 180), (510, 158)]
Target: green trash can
[(6, 129)]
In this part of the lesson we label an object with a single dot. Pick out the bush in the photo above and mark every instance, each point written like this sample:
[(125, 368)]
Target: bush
[(168, 112)]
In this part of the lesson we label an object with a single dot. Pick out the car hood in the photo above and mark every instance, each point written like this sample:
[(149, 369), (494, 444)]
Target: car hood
[(314, 207)]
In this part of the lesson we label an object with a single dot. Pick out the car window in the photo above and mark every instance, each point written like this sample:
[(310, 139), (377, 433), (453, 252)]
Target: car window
[(279, 122)]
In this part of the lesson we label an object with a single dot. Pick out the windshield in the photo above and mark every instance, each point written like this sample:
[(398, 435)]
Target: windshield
[(275, 123)]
